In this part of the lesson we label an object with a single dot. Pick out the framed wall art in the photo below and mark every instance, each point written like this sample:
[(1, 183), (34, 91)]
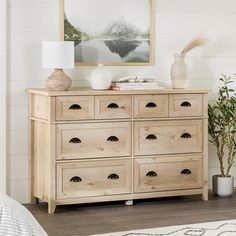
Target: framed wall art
[(110, 32)]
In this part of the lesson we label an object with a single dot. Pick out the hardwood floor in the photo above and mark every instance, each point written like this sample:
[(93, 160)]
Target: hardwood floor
[(81, 220)]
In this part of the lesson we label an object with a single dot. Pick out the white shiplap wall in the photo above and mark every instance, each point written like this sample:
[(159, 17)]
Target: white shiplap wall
[(3, 96), (30, 22)]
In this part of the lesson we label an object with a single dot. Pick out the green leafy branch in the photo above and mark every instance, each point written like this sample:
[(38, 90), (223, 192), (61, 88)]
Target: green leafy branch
[(222, 125)]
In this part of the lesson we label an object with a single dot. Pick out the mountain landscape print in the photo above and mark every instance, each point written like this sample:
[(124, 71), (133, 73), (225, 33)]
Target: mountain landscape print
[(112, 32)]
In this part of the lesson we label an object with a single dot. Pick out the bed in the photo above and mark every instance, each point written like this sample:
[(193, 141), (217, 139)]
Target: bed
[(16, 220)]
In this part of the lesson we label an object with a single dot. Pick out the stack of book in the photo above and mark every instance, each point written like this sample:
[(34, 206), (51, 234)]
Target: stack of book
[(135, 84)]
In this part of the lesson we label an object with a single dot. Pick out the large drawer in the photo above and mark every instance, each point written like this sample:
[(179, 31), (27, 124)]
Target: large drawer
[(185, 105), (75, 108), (113, 107), (167, 173), (93, 140), (167, 137), (93, 178), (150, 106)]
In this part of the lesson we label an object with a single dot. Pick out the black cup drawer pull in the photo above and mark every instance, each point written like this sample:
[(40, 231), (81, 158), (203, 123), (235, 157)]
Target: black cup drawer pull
[(113, 139), (151, 137), (186, 172), (151, 105), (186, 135), (151, 174), (113, 176), (185, 104), (75, 179), (113, 106), (75, 140), (75, 107)]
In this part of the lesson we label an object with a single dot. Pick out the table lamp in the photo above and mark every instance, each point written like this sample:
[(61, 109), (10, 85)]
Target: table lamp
[(58, 55)]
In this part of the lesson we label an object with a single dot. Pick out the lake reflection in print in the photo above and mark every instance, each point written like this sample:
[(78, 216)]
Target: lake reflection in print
[(98, 50)]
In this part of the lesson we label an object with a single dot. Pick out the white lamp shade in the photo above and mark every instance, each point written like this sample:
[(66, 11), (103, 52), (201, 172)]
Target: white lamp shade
[(58, 54)]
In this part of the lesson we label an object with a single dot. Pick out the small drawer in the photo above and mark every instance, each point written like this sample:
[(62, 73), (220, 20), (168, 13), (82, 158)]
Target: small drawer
[(150, 106), (75, 108), (93, 140), (167, 173), (186, 105), (167, 137), (93, 178), (112, 107)]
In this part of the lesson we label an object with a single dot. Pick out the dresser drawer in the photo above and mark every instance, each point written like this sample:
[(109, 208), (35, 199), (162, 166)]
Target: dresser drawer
[(166, 137), (93, 178), (93, 140), (112, 107), (75, 108), (186, 105), (167, 173), (150, 106)]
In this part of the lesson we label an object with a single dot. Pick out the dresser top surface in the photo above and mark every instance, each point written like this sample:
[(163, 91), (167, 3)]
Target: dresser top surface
[(88, 91)]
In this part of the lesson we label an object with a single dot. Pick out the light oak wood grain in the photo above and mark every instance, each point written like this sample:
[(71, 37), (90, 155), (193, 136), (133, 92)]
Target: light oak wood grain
[(40, 160), (150, 106), (128, 140), (75, 108), (186, 105), (205, 149), (96, 178), (113, 107), (40, 106), (129, 197), (168, 174), (89, 92), (166, 137), (93, 140)]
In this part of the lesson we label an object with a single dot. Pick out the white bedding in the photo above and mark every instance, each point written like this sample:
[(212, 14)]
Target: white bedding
[(16, 220)]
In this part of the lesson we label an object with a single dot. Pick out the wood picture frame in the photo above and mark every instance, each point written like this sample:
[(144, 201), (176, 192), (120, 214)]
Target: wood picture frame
[(110, 47)]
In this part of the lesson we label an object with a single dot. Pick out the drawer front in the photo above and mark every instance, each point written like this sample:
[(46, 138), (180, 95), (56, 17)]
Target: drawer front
[(112, 107), (166, 137), (186, 105), (93, 140), (150, 106), (167, 173), (93, 178), (75, 108)]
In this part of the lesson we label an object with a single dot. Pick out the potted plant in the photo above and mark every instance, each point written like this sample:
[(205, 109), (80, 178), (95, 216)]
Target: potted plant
[(222, 132)]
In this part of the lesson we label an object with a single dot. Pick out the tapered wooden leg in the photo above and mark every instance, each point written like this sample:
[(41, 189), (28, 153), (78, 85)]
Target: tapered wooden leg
[(129, 203), (205, 194), (33, 200), (205, 152), (51, 207)]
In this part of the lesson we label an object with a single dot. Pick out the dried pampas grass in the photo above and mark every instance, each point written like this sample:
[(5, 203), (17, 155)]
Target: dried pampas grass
[(196, 42)]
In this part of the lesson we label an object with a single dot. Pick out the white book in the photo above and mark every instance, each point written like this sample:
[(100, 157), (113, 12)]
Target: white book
[(137, 86)]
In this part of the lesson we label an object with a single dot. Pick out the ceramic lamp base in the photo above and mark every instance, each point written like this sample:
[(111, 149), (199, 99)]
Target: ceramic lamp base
[(58, 81)]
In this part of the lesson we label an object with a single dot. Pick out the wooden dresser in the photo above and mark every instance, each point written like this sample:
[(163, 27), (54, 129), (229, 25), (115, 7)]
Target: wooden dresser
[(94, 146)]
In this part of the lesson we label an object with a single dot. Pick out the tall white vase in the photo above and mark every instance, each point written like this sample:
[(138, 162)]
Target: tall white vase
[(179, 72)]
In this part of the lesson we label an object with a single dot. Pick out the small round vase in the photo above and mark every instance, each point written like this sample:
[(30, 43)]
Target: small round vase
[(100, 78), (179, 72)]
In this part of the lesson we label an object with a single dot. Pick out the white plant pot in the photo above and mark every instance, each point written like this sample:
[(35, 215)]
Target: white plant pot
[(179, 72), (100, 78), (223, 186)]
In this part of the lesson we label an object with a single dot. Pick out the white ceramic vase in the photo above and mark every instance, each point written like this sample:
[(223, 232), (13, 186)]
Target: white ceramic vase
[(179, 72), (100, 78)]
